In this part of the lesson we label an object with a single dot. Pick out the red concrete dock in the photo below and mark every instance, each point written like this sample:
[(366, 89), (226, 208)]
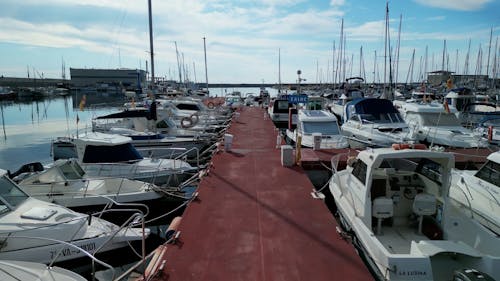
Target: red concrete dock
[(256, 220)]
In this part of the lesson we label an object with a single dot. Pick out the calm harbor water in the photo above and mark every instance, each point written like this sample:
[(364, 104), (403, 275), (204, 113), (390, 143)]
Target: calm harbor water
[(29, 126)]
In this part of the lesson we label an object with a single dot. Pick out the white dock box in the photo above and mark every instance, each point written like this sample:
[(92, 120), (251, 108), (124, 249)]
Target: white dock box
[(228, 142), (287, 159)]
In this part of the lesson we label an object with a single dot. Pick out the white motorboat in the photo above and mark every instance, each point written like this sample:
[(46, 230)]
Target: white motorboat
[(317, 125), (65, 184), (471, 108), (351, 91), (233, 101), (432, 124), (479, 192), (21, 270), (489, 128), (108, 155), (278, 110), (150, 140), (394, 205), (30, 229), (374, 123)]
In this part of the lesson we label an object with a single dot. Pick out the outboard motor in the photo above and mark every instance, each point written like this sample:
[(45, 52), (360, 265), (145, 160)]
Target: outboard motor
[(26, 168)]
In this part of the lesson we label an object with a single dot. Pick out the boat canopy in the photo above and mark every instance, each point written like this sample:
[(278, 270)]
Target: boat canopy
[(369, 106)]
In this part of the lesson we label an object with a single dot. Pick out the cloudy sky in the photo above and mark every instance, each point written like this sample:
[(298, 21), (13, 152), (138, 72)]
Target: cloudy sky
[(243, 37)]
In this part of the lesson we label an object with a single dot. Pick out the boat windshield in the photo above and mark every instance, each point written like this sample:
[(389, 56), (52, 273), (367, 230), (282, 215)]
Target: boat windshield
[(440, 119), (10, 195), (325, 128), (492, 122), (490, 172), (187, 106), (381, 118), (71, 170), (281, 106), (165, 123), (111, 154), (424, 166)]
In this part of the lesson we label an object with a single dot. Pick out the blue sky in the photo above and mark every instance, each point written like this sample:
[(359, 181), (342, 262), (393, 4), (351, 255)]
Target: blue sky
[(242, 37)]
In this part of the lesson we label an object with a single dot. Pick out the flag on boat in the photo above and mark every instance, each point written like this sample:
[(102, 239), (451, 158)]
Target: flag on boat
[(82, 102)]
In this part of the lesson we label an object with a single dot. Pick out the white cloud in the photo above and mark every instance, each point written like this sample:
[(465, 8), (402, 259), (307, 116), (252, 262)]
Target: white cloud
[(460, 5), (436, 18), (281, 2), (337, 2)]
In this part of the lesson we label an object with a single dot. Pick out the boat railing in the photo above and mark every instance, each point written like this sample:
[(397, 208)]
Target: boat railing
[(68, 244), (85, 193), (134, 220), (138, 218), (124, 168)]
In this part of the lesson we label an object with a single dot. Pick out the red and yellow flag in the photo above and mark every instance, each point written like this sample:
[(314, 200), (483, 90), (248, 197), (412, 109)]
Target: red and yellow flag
[(82, 102)]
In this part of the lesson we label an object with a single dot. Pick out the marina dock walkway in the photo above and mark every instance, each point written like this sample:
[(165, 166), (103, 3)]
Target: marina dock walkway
[(256, 220)]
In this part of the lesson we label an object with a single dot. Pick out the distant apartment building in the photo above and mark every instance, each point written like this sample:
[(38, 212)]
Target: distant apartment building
[(441, 77), (128, 78)]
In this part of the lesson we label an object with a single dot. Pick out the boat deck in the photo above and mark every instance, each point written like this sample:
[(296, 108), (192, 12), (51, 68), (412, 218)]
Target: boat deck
[(465, 158), (256, 220)]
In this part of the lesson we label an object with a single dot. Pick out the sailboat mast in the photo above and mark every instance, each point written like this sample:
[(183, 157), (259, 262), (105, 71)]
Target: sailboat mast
[(489, 51), (385, 45), (151, 43), (279, 70), (178, 63), (444, 55), (206, 72), (333, 65), (466, 66), (340, 57), (397, 49)]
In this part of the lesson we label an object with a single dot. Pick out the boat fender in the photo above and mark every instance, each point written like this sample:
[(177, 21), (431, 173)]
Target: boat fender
[(172, 228), (490, 133), (186, 122), (399, 146), (211, 105), (194, 118)]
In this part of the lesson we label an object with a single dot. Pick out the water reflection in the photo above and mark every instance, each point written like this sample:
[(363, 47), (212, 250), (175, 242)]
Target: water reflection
[(28, 126)]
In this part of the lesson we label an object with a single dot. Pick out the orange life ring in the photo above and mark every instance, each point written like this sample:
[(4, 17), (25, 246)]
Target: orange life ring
[(211, 105)]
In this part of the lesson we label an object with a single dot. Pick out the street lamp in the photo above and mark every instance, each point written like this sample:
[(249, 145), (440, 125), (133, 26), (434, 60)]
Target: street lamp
[(299, 80)]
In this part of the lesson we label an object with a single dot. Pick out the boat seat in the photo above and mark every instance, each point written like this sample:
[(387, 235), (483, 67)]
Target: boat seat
[(382, 208), (424, 204)]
